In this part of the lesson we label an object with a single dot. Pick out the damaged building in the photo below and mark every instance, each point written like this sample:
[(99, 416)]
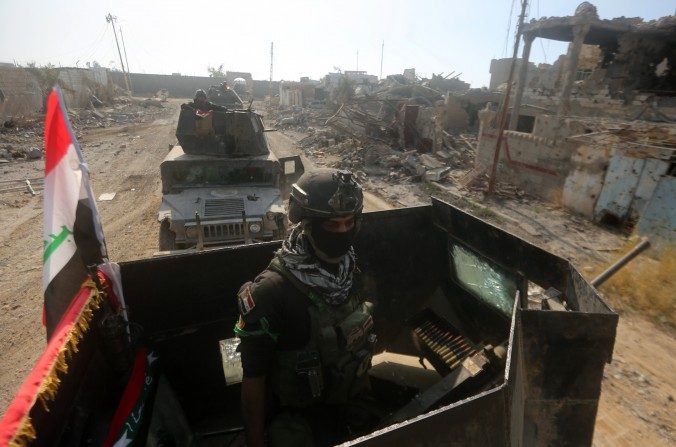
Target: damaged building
[(23, 89), (595, 131)]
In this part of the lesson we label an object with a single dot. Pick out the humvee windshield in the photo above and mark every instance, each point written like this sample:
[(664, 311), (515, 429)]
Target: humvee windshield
[(182, 176)]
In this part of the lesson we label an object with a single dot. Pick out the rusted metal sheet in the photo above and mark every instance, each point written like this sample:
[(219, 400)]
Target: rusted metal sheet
[(622, 178), (658, 220)]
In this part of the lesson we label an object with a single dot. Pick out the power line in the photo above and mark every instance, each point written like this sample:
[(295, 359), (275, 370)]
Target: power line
[(111, 19), (509, 27), (272, 48), (91, 51), (502, 117), (382, 52), (131, 86), (542, 45)]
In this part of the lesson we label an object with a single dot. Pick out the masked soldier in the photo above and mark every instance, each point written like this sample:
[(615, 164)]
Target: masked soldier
[(200, 103), (306, 338)]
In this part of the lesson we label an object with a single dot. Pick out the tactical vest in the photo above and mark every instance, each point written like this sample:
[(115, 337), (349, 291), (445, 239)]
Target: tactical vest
[(332, 366)]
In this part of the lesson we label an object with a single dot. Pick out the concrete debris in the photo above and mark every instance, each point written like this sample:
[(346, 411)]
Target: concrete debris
[(20, 136), (162, 95), (96, 102), (400, 128), (429, 162), (34, 153), (436, 174), (124, 111), (107, 196), (150, 102)]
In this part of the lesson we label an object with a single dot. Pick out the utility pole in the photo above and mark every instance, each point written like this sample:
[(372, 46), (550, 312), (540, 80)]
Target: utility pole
[(357, 60), (272, 52), (502, 118), (111, 19), (124, 48), (382, 52)]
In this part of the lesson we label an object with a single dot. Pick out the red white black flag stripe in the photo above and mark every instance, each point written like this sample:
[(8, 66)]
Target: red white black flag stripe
[(73, 236)]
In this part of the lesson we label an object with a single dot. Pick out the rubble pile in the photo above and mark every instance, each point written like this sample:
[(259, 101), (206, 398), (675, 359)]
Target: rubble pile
[(123, 111), (21, 136), (322, 137), (368, 158), (298, 118), (401, 128), (458, 150), (20, 139)]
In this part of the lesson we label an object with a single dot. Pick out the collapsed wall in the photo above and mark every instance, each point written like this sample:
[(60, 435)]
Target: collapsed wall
[(20, 92), (596, 131)]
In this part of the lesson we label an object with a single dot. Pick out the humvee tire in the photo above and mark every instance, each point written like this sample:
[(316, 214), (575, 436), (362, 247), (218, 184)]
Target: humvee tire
[(167, 237)]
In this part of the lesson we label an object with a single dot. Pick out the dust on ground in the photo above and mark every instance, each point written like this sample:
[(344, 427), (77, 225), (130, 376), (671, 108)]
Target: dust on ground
[(124, 154)]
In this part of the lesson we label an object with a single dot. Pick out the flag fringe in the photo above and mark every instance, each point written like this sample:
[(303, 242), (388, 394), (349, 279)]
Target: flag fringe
[(49, 387)]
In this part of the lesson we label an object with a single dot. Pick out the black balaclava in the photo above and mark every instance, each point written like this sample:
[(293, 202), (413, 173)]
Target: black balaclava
[(330, 246)]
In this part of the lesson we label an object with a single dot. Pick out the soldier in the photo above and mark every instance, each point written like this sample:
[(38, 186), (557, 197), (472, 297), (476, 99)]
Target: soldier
[(223, 94), (200, 103), (306, 338)]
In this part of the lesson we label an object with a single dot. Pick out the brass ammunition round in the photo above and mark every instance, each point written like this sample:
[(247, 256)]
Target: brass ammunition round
[(458, 345), (457, 356), (451, 357), (455, 364), (447, 335)]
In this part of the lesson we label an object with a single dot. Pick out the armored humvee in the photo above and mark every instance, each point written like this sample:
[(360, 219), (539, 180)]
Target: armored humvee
[(222, 184), (521, 373)]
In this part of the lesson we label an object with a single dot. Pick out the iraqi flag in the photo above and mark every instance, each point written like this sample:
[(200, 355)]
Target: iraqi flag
[(73, 237)]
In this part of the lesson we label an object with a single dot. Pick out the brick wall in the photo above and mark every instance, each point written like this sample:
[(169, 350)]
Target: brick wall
[(180, 86), (536, 164), (21, 92)]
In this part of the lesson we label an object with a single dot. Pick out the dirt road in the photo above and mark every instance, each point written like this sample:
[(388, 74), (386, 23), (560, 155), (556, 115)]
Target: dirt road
[(639, 387)]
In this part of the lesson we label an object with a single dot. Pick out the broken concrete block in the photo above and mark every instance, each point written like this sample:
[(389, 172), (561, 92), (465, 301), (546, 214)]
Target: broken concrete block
[(107, 196), (151, 103), (443, 154), (414, 166), (436, 174), (34, 153), (430, 162), (392, 161), (553, 304)]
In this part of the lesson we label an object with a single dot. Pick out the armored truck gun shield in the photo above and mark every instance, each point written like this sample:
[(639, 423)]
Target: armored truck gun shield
[(224, 96), (222, 185)]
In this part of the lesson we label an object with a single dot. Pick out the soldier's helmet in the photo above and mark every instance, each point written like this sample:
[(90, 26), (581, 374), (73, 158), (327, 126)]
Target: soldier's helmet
[(325, 193)]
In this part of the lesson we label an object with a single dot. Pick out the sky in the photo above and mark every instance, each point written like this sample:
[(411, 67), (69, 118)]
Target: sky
[(311, 38)]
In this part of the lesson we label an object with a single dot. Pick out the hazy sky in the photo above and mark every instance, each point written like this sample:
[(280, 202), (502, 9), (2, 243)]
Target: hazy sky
[(310, 37)]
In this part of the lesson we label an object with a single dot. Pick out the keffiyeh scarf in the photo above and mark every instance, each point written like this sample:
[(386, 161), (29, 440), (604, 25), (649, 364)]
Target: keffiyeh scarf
[(297, 257)]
